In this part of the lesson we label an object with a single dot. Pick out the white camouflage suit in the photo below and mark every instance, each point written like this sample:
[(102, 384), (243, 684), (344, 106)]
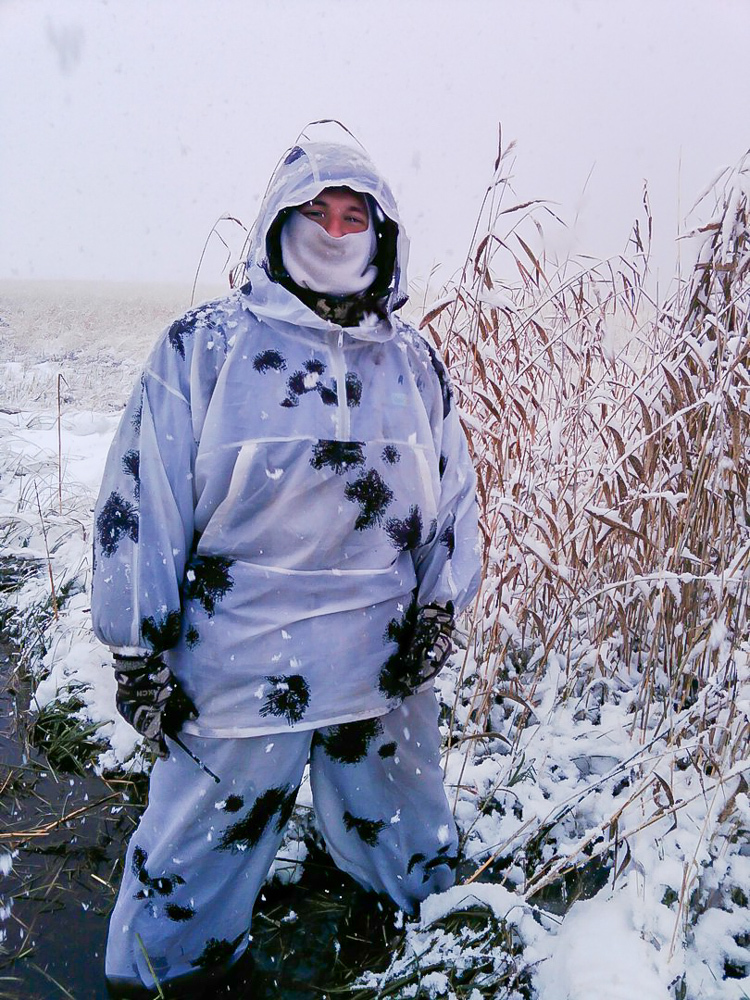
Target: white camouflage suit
[(281, 494)]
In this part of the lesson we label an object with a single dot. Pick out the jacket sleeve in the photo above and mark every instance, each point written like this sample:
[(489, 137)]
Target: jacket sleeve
[(448, 565), (143, 527)]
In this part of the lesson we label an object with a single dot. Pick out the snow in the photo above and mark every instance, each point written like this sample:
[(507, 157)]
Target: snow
[(601, 955), (460, 897)]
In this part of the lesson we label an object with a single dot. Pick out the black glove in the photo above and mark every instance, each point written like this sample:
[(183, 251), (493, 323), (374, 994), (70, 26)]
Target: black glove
[(431, 643), (151, 700)]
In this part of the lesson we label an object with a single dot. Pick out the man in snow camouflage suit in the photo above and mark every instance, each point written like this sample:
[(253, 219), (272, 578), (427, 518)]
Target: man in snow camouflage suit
[(286, 526)]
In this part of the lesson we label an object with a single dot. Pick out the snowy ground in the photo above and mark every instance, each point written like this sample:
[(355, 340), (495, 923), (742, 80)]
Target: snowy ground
[(613, 868)]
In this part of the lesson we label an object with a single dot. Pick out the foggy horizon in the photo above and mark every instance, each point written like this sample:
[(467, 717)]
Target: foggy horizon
[(130, 130)]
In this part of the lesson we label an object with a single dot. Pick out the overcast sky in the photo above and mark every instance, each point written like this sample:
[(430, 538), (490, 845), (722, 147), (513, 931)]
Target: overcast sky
[(129, 126)]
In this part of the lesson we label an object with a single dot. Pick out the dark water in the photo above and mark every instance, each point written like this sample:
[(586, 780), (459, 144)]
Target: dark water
[(70, 831), (60, 889)]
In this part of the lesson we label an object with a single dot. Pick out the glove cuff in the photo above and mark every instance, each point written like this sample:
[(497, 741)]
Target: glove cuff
[(135, 664)]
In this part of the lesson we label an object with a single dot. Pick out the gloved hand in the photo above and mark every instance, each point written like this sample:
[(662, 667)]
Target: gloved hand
[(431, 643), (150, 698)]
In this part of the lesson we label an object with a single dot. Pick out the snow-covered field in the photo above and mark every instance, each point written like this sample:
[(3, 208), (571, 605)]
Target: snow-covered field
[(603, 860)]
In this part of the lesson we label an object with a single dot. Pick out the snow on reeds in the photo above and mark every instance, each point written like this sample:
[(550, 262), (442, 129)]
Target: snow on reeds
[(611, 435), (597, 713)]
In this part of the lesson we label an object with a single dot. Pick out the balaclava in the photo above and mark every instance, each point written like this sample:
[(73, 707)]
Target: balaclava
[(331, 265)]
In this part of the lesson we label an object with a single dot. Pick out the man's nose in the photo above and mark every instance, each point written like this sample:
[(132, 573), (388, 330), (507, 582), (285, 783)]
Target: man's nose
[(335, 227)]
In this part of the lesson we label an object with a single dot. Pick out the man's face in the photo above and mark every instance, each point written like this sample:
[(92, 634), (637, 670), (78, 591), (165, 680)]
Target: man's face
[(338, 210)]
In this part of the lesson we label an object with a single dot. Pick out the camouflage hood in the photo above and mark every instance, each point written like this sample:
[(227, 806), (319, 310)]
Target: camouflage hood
[(306, 170)]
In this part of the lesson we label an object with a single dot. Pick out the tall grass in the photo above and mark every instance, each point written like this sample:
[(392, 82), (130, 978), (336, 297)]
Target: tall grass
[(610, 432)]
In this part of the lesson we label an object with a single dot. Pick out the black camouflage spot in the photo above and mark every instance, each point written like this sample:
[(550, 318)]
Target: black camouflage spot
[(137, 414), (299, 383), (163, 885), (289, 697), (442, 465), (246, 832), (450, 861), (192, 637), (186, 325), (368, 830), (337, 455), (414, 860), (414, 635), (117, 517), (349, 742), (394, 680), (391, 454), (179, 913), (407, 533), (401, 630), (294, 154), (387, 750), (208, 580), (445, 386), (373, 496), (139, 861), (448, 538), (296, 383), (443, 858), (162, 633), (233, 803), (269, 360), (353, 389), (217, 951), (178, 330), (131, 465), (431, 533), (328, 396)]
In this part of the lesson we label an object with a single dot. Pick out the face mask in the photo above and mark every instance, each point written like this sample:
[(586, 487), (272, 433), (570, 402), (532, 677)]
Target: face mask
[(332, 265)]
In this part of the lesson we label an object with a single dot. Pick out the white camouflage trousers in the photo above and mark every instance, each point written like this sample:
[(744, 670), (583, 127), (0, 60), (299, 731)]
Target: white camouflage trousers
[(202, 850)]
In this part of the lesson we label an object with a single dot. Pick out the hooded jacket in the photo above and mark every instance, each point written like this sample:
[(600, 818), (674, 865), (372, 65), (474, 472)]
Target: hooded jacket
[(283, 491)]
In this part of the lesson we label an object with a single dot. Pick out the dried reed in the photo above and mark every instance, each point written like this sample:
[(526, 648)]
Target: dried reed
[(49, 557), (610, 435)]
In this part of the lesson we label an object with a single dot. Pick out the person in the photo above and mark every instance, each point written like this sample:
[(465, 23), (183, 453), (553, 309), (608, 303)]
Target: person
[(286, 528)]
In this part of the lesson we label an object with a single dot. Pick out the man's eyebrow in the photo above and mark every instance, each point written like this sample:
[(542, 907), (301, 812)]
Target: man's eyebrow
[(353, 204)]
